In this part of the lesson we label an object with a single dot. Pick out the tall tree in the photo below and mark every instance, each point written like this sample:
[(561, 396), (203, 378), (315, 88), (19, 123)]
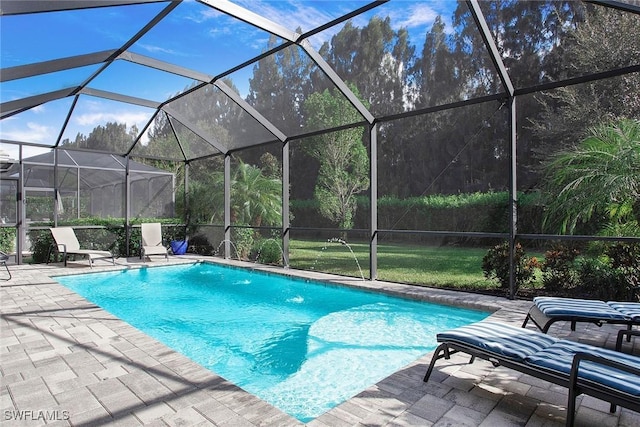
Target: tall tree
[(278, 88), (606, 39), (376, 59), (342, 157), (379, 61), (436, 69), (112, 137), (279, 85)]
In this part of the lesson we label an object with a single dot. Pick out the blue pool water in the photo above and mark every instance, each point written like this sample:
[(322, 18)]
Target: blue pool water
[(302, 346)]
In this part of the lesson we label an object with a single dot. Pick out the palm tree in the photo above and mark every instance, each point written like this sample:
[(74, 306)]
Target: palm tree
[(599, 178), (255, 199)]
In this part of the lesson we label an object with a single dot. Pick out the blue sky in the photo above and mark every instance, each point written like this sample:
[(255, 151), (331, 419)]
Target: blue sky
[(193, 36)]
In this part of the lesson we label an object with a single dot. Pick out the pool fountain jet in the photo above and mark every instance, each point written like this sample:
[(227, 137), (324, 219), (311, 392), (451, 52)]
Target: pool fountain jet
[(217, 251), (344, 243)]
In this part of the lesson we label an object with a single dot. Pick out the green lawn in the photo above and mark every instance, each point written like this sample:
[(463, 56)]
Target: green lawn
[(444, 266)]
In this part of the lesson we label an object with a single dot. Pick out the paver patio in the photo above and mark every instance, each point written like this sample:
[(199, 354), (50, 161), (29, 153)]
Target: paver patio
[(64, 361)]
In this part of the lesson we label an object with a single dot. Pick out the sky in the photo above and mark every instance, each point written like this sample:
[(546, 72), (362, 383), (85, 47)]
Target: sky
[(193, 36)]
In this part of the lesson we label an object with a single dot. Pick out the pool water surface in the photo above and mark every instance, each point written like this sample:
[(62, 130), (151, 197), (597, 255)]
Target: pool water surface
[(300, 345)]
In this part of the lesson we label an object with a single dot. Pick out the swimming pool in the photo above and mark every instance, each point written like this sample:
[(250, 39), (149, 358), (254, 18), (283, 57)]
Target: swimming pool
[(302, 346)]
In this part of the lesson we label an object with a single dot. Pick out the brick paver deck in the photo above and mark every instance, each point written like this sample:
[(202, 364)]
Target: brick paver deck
[(64, 361)]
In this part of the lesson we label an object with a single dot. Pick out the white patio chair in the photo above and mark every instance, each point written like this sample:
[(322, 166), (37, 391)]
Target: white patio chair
[(67, 244), (152, 241)]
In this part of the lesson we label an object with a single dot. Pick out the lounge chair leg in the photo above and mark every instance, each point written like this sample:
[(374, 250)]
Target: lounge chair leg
[(442, 348), (571, 407), (526, 320), (7, 267), (49, 254)]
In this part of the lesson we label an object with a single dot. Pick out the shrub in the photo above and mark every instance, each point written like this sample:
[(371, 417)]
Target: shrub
[(601, 281), (199, 244), (269, 251), (495, 265), (7, 239), (558, 270), (41, 242), (625, 257), (243, 240)]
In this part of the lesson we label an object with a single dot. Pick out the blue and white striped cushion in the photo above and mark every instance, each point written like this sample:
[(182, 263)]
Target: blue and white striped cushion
[(500, 339), (582, 308), (559, 357), (630, 309)]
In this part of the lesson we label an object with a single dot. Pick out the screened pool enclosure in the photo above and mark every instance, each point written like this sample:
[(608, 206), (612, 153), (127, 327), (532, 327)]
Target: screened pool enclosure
[(314, 127), (90, 185)]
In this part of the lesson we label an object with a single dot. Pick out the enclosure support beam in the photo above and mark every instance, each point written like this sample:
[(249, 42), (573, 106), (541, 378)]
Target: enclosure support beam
[(227, 205), (21, 215), (513, 200), (127, 204), (56, 192), (185, 201), (285, 204), (373, 201), (77, 193), (496, 58)]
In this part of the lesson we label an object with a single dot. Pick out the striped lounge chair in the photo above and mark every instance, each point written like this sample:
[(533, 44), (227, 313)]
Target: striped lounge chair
[(545, 311), (583, 369)]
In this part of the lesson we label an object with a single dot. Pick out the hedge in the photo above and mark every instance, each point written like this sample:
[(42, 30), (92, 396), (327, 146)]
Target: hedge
[(474, 212)]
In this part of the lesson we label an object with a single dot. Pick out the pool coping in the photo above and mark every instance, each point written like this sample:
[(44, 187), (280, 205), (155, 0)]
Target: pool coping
[(62, 354)]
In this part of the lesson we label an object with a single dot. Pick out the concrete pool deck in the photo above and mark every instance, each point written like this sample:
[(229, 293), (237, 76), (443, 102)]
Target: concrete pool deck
[(64, 361)]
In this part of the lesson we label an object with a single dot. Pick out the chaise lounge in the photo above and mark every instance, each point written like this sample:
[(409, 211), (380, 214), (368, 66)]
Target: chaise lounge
[(545, 311), (67, 244), (152, 241), (584, 369)]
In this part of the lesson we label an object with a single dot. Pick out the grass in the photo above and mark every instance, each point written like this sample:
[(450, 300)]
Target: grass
[(443, 266)]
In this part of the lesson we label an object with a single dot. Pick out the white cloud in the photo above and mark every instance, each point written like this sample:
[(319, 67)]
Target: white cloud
[(205, 15), (157, 49), (95, 119), (34, 132), (221, 31), (419, 15), (88, 119), (288, 14)]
